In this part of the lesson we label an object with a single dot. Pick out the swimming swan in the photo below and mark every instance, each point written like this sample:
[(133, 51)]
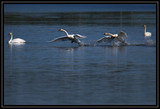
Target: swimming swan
[(72, 38), (17, 40), (120, 37), (146, 34)]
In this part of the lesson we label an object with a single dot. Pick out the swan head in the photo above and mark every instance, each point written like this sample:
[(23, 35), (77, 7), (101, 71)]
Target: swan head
[(145, 26), (61, 30), (106, 33), (10, 33)]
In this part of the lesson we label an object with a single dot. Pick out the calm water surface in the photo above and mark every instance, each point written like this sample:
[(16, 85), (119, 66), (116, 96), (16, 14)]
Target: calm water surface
[(61, 73)]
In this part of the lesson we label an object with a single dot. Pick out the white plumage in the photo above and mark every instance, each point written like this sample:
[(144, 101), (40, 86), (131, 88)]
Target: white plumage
[(147, 34), (17, 40), (120, 37), (72, 38)]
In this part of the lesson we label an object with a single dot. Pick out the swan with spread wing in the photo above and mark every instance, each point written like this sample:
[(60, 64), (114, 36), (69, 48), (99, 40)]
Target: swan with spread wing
[(72, 38), (111, 37)]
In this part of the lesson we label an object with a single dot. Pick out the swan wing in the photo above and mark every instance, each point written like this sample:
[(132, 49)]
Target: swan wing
[(105, 39), (18, 40), (148, 34), (79, 36), (76, 41), (64, 38), (121, 36)]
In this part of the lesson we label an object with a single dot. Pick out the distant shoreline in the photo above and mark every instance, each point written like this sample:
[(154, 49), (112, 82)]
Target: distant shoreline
[(77, 7)]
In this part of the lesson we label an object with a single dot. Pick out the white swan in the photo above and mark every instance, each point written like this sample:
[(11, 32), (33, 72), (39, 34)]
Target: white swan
[(17, 40), (72, 38), (120, 37), (146, 34)]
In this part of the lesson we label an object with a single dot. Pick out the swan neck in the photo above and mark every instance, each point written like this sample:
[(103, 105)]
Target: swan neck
[(110, 34), (66, 33), (11, 38), (144, 29)]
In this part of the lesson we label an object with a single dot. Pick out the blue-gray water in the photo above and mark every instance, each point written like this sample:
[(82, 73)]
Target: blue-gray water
[(61, 73)]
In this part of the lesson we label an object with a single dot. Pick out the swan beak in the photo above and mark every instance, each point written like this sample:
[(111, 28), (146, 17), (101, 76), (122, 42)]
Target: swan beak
[(60, 29), (10, 33), (105, 33)]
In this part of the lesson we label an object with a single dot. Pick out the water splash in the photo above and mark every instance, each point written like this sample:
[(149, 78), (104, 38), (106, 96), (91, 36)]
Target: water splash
[(149, 42), (114, 43)]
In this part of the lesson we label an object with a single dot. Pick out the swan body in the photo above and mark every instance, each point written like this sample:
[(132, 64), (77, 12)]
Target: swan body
[(147, 34), (120, 37), (17, 40), (72, 38)]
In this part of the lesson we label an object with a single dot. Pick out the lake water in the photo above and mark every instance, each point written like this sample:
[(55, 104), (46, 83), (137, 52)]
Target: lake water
[(62, 73)]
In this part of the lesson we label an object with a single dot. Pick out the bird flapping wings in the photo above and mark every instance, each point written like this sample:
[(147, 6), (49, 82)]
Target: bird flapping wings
[(64, 38), (121, 36), (105, 39), (79, 36)]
